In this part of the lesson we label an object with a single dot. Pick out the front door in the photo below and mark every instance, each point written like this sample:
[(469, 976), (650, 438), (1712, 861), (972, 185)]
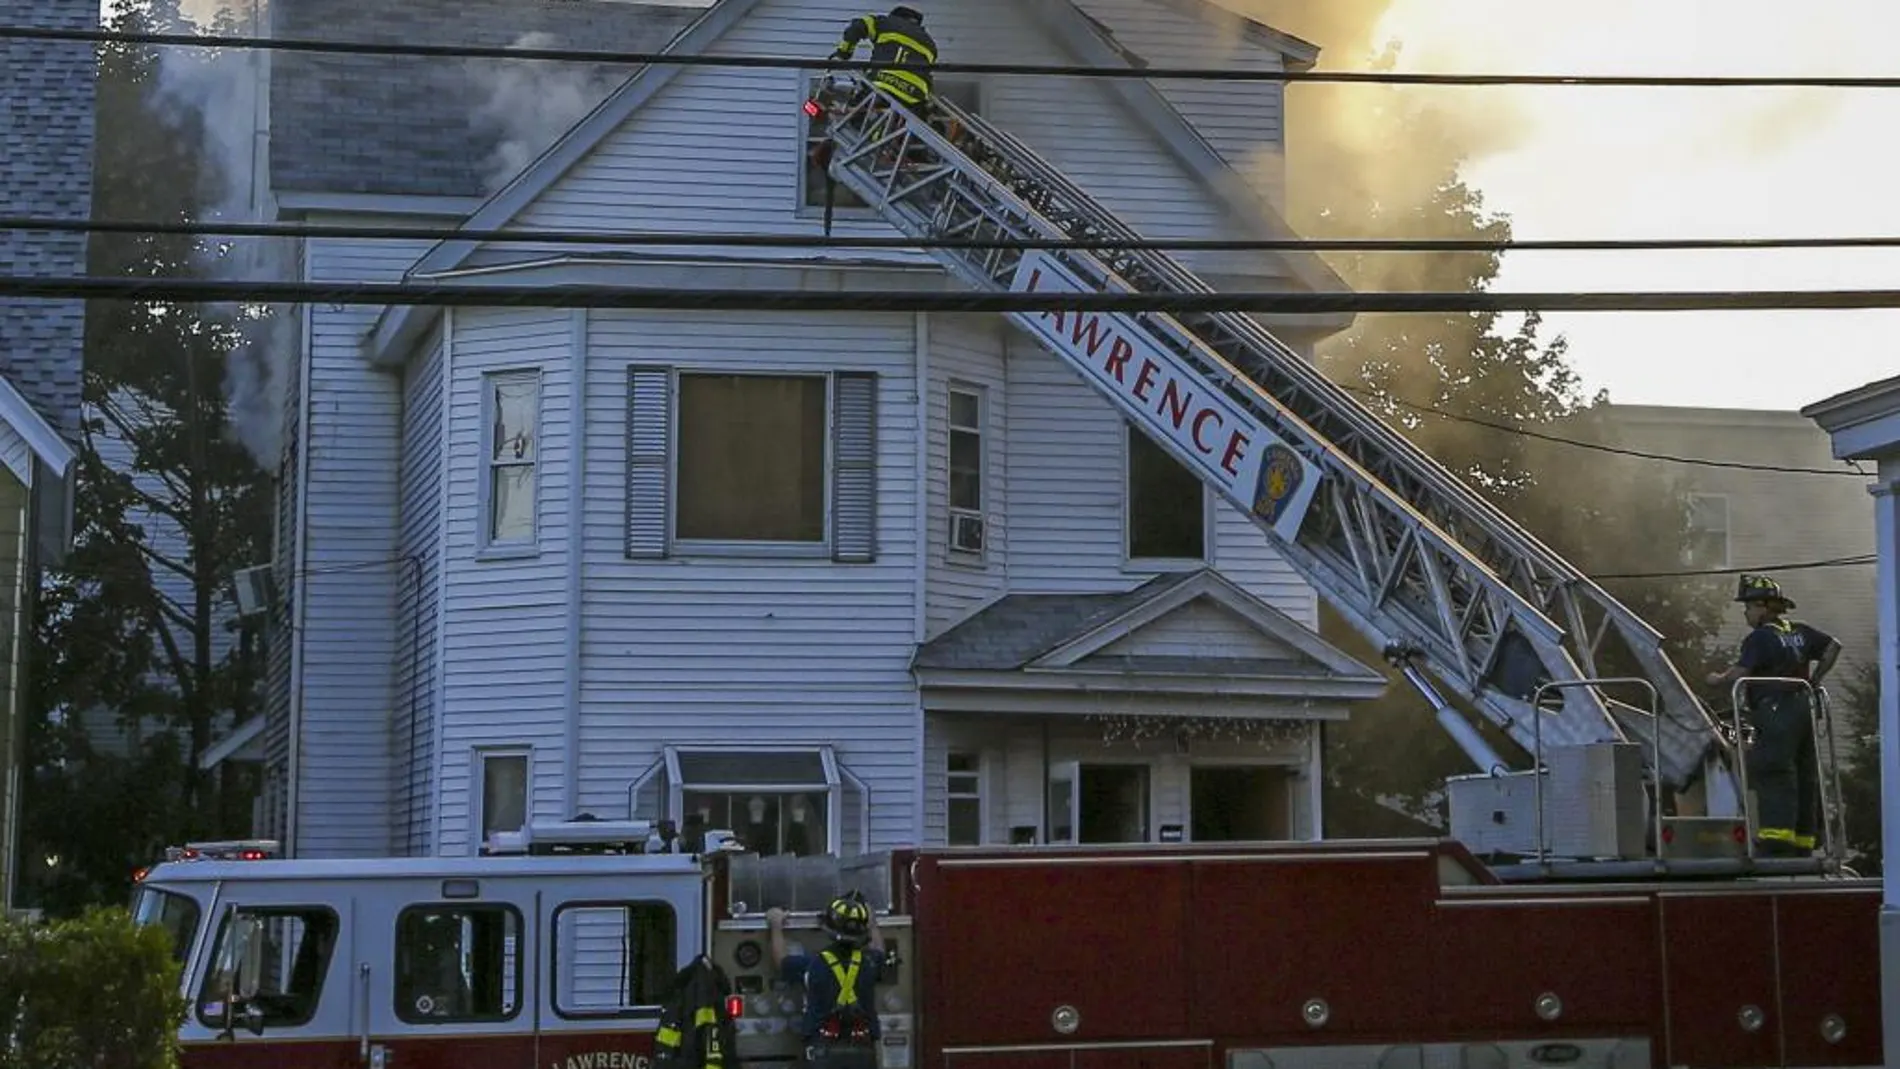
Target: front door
[(1099, 803)]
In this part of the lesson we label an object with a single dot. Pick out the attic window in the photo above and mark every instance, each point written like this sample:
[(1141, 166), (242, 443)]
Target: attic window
[(965, 93)]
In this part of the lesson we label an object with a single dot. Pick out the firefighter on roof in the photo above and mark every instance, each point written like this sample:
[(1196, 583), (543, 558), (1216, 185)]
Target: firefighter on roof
[(840, 984), (899, 40), (1781, 763)]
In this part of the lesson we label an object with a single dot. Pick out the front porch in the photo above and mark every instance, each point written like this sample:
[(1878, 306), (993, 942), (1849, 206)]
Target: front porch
[(1185, 710)]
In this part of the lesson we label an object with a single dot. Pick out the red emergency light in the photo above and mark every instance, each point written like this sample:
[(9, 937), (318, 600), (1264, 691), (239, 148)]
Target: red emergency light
[(735, 1006), (812, 109)]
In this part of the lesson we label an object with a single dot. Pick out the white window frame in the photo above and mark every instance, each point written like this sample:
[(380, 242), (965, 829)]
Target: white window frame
[(1130, 562), (486, 546), (958, 519), (804, 205), (478, 788), (836, 777), (981, 795), (743, 547), (1726, 531)]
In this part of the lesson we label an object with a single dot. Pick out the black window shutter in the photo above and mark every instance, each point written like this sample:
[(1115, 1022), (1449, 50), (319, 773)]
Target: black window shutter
[(649, 460)]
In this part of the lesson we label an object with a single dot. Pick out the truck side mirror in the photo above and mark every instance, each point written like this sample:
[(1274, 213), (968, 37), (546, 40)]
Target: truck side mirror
[(249, 930)]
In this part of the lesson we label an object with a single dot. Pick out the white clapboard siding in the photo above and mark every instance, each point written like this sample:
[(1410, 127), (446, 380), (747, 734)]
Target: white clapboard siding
[(505, 616), (419, 600), (966, 350), (350, 570), (764, 649), (721, 149)]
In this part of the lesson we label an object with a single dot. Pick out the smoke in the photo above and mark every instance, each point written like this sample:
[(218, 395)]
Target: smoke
[(218, 92), (530, 103)]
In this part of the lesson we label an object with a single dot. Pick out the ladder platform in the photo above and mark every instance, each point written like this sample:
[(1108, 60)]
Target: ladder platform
[(1651, 870)]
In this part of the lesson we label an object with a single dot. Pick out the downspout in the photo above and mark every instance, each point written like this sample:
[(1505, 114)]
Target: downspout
[(441, 681), (919, 626), (576, 547), (299, 582)]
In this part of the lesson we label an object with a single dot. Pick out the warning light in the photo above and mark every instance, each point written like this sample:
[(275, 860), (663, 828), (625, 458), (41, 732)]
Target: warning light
[(735, 1006), (1740, 833), (139, 876), (812, 109)]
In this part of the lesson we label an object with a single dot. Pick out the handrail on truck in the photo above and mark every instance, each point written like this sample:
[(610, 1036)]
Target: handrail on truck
[(1827, 771), (1538, 771)]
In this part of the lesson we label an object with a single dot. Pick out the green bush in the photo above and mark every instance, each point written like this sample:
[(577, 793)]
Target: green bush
[(95, 992)]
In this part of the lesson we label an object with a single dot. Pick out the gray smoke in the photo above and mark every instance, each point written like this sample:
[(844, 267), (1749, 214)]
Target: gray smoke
[(220, 89), (526, 104)]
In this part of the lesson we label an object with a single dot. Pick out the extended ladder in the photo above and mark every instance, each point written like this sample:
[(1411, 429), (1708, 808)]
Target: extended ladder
[(1411, 556)]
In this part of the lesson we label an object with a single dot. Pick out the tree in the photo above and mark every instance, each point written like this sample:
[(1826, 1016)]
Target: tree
[(134, 625), (1856, 709), (1378, 161), (95, 991)]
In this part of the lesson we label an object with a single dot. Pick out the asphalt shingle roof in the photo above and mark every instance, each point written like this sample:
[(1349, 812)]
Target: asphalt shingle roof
[(1019, 628), (440, 126), (46, 136)]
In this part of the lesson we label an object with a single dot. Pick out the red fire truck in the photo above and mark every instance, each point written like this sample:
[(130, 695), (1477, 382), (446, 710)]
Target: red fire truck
[(554, 950)]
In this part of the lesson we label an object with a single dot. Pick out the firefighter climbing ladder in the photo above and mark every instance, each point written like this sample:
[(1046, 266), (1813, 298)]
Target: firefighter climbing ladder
[(1415, 559)]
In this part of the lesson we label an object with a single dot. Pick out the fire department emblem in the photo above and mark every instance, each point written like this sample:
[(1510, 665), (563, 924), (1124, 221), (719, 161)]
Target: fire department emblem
[(1280, 478)]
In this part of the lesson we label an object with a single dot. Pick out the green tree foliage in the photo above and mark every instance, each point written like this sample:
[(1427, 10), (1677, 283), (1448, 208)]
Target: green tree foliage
[(1856, 708), (168, 505), (1376, 161), (88, 992)]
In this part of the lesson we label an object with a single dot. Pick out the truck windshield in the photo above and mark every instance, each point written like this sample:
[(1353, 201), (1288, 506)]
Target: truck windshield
[(175, 913)]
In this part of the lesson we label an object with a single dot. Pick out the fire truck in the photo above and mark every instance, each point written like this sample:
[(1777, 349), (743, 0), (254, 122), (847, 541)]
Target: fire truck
[(1604, 907)]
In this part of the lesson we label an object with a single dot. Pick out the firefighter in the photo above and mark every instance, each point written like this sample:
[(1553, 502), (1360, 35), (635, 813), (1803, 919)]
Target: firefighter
[(840, 984), (1781, 761), (900, 40)]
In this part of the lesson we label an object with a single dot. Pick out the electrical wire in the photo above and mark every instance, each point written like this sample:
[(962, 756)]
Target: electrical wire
[(796, 241), (437, 294), (603, 56), (1580, 443), (1791, 566)]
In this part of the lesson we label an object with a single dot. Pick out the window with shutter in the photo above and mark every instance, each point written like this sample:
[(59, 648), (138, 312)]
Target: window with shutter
[(740, 463)]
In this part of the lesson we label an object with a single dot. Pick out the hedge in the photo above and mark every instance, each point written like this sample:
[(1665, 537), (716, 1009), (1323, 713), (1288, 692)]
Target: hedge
[(94, 992)]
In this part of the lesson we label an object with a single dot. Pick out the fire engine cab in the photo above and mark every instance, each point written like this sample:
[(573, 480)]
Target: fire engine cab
[(555, 948)]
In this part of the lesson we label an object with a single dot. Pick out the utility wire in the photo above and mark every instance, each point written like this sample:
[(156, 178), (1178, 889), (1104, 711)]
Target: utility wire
[(1580, 443), (1796, 566), (217, 291), (49, 33), (797, 241)]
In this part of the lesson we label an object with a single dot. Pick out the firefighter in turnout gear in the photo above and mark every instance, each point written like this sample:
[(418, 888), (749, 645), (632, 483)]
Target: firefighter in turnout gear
[(1781, 761), (839, 982), (899, 40)]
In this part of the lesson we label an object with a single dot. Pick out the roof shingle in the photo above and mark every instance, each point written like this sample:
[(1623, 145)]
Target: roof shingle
[(441, 126)]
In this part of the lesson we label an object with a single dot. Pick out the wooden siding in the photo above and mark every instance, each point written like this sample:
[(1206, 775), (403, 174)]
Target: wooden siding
[(1200, 628), (720, 150), (966, 350), (350, 571), (419, 599), (505, 626), (764, 649)]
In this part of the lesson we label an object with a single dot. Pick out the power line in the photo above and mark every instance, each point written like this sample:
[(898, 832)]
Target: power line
[(218, 291), (1580, 443), (797, 241), (601, 56), (1797, 566)]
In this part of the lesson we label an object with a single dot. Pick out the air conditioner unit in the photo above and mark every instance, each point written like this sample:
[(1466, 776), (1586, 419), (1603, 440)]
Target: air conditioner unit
[(254, 590)]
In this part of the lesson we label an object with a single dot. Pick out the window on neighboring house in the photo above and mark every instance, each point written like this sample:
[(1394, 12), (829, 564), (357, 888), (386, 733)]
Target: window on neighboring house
[(511, 407), (293, 946), (797, 801), (1166, 504), (1708, 531), (458, 963), (966, 471), (504, 780), (964, 800), (751, 458), (965, 93)]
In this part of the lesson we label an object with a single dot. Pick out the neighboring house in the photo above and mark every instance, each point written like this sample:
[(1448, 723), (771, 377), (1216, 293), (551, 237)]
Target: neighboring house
[(46, 134), (1754, 518), (837, 580)]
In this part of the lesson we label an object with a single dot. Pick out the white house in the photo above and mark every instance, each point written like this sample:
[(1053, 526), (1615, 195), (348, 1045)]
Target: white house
[(840, 581)]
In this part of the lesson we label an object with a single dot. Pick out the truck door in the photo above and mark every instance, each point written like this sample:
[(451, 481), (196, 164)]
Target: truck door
[(449, 980), (609, 952), (274, 988)]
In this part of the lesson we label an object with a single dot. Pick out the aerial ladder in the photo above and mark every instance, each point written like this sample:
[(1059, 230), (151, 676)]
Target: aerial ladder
[(1436, 576)]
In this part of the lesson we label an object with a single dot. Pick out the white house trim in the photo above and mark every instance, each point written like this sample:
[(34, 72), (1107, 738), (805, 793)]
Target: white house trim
[(22, 425)]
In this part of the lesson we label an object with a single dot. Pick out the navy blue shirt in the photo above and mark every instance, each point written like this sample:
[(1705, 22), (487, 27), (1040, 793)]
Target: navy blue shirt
[(1782, 649), (812, 974)]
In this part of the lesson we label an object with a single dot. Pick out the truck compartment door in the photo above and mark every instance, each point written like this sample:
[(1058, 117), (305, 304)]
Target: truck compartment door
[(1721, 1001)]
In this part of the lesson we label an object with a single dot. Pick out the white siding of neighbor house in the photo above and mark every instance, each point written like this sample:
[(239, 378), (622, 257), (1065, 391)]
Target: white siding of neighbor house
[(720, 150), (350, 570), (505, 619), (764, 650), (1067, 496), (966, 350)]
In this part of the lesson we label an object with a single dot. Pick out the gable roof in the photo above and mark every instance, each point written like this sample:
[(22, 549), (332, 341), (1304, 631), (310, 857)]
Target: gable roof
[(438, 126)]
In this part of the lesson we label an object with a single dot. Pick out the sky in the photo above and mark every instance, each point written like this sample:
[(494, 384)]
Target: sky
[(1594, 162), (1590, 162)]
